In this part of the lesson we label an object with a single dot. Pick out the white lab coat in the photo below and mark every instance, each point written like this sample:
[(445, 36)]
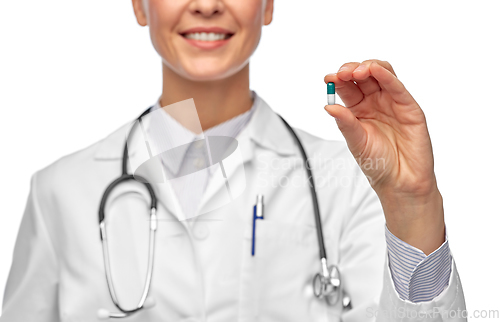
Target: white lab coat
[(203, 270)]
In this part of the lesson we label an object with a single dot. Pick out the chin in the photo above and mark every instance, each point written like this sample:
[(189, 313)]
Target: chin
[(207, 75)]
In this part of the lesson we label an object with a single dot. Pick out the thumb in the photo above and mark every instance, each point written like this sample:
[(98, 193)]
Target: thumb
[(354, 134)]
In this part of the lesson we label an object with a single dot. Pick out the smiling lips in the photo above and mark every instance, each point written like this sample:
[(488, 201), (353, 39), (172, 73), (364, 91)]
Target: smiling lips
[(207, 37)]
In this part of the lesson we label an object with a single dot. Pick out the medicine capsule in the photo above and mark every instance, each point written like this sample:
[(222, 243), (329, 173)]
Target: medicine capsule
[(330, 90)]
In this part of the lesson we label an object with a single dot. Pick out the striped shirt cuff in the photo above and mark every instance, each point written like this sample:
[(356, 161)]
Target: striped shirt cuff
[(418, 278)]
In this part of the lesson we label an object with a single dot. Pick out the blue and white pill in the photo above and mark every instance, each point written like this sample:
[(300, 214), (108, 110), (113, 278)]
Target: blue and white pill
[(330, 90)]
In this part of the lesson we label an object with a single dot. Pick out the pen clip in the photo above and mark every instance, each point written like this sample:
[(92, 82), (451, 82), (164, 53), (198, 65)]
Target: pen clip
[(258, 213)]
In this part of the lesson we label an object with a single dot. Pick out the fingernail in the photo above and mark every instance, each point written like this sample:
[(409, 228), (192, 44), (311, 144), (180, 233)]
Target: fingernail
[(343, 68), (360, 68)]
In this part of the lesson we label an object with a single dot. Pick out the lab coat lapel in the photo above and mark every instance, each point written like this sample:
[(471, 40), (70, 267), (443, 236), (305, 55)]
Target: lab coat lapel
[(264, 129), (224, 186), (162, 186)]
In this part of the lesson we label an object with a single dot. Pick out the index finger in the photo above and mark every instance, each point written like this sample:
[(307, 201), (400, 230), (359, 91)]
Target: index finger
[(389, 82)]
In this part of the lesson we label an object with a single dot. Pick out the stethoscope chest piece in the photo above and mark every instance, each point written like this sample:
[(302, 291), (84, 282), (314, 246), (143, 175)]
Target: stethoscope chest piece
[(329, 286)]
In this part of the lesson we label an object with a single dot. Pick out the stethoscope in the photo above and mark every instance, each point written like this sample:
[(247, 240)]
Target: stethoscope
[(326, 284)]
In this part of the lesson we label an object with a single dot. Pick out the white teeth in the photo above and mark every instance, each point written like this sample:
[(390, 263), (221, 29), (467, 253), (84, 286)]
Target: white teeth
[(203, 36)]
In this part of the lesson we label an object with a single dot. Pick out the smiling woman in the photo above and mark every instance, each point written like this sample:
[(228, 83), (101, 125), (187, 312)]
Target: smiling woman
[(383, 229), (174, 23), (197, 63)]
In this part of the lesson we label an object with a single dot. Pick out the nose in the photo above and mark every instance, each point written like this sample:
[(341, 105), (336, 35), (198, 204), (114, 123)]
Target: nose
[(207, 8)]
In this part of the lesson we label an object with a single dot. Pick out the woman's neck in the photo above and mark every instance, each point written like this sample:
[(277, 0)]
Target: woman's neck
[(216, 101)]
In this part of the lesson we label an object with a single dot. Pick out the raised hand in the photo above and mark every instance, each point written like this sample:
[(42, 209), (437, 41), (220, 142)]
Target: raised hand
[(386, 132)]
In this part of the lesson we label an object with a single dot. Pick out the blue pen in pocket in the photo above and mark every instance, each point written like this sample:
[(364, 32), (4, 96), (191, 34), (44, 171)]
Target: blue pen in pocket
[(258, 213)]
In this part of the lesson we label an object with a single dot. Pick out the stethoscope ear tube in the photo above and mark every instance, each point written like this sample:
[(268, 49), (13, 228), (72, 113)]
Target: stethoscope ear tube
[(126, 177), (109, 278), (123, 178), (145, 301), (102, 314)]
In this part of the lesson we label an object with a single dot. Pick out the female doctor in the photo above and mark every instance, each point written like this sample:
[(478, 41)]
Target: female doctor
[(383, 228)]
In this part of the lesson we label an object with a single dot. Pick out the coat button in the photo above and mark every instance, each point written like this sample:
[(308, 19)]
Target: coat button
[(199, 163), (201, 231), (199, 144)]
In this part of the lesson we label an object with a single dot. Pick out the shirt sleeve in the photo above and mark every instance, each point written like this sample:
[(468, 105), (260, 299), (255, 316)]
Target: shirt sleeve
[(418, 278)]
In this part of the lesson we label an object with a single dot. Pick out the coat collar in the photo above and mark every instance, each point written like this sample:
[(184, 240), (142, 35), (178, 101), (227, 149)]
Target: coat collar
[(265, 128)]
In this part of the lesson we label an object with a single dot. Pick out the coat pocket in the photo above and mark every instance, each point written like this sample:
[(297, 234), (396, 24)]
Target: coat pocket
[(276, 283)]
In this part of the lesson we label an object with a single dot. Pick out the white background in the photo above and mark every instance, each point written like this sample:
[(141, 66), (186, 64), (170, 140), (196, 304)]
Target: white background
[(71, 72)]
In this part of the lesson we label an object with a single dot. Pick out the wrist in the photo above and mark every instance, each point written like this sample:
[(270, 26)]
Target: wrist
[(416, 220)]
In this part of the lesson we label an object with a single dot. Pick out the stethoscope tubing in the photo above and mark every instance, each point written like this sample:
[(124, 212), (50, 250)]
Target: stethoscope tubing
[(153, 219), (312, 187)]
